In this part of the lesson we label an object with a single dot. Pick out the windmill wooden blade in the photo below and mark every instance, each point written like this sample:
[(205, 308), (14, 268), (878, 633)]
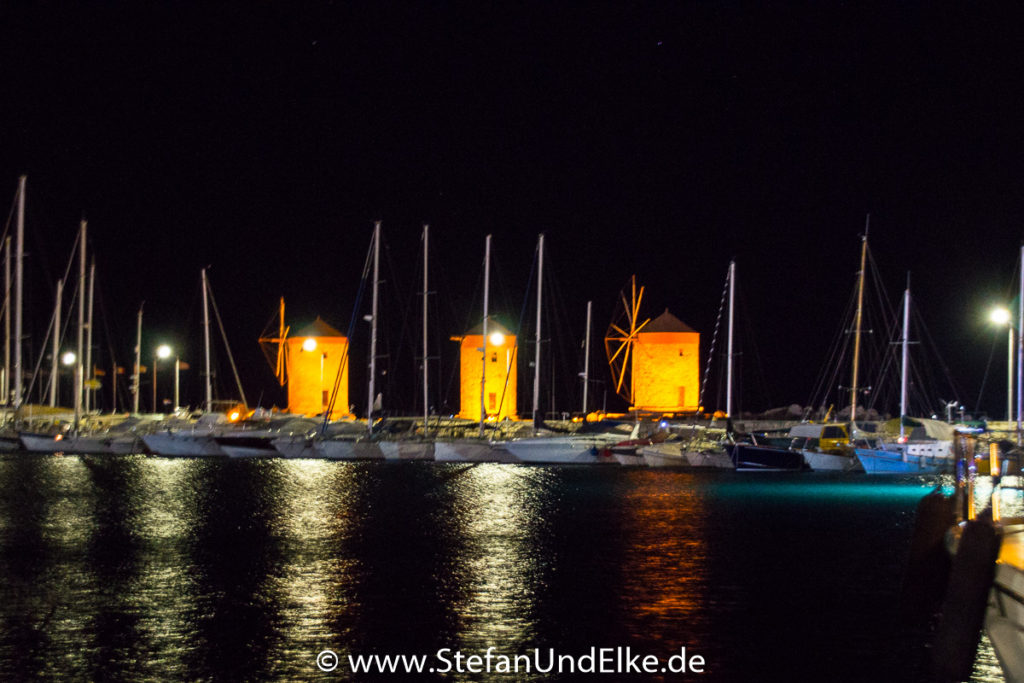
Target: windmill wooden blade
[(621, 336)]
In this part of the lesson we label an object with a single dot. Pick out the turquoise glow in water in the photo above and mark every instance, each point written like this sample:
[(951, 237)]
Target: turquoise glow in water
[(830, 487)]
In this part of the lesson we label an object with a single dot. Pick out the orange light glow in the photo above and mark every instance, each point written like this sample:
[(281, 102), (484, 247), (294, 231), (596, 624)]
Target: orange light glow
[(501, 376), (666, 371), (315, 358)]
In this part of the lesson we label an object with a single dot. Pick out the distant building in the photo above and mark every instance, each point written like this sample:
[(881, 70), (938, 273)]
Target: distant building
[(315, 355), (666, 366), (500, 389)]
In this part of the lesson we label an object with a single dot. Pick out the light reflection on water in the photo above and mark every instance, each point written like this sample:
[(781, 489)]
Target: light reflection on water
[(665, 572), (183, 569), (495, 512)]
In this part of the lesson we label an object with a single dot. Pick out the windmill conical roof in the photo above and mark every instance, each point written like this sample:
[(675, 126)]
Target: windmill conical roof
[(492, 326), (317, 328), (666, 322)]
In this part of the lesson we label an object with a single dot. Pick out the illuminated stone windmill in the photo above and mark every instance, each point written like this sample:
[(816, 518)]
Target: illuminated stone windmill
[(308, 362), (500, 379), (655, 364)]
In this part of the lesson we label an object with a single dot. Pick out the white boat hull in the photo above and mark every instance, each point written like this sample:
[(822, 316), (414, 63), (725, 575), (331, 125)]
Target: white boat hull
[(906, 459), (1004, 617), (832, 462), (236, 451), (673, 455), (717, 460), (559, 450), (42, 443), (295, 447), (407, 450), (182, 445), (470, 450), (85, 444), (348, 449), (629, 459)]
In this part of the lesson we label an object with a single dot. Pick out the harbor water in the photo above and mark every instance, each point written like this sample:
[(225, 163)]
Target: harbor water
[(141, 568)]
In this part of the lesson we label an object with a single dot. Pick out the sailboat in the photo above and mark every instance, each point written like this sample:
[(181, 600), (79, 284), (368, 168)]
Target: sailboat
[(75, 439), (353, 445), (744, 456), (260, 439), (697, 446), (589, 445), (926, 449), (826, 447), (419, 447), (479, 448), (185, 437)]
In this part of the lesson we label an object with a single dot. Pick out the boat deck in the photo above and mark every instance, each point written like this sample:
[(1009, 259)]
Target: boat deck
[(1012, 550), (1005, 615)]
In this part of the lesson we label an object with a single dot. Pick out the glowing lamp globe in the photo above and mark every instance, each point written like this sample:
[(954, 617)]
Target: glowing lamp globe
[(496, 339), (163, 351), (309, 344), (1000, 316), (68, 358)]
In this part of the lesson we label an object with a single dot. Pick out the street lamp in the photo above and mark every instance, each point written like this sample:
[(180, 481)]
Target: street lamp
[(162, 352), (178, 367), (67, 359), (1001, 316)]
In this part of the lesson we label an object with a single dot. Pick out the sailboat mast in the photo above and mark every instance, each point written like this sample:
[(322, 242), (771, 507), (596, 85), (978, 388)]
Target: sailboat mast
[(79, 372), (19, 290), (6, 388), (138, 363), (279, 370), (857, 324), (537, 333), (373, 328), (905, 359), (1020, 349), (208, 405), (728, 351), (88, 334), (586, 360), (483, 347), (55, 346), (426, 375)]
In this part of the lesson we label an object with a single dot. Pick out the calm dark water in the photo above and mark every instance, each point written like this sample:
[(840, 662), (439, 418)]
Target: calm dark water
[(136, 568)]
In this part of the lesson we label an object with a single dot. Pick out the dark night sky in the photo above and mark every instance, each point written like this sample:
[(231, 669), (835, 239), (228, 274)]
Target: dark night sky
[(264, 139)]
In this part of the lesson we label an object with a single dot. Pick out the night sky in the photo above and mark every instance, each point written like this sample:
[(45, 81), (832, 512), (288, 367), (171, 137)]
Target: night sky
[(264, 139)]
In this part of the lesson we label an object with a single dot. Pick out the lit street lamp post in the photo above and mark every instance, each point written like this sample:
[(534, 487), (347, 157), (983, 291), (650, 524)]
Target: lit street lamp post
[(67, 359), (163, 351), (1001, 316)]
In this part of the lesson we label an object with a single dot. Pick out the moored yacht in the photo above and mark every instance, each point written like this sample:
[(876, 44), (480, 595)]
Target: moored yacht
[(825, 447), (119, 438), (188, 438), (751, 457), (695, 447), (470, 449), (407, 449), (348, 448), (926, 449), (588, 446), (257, 440)]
